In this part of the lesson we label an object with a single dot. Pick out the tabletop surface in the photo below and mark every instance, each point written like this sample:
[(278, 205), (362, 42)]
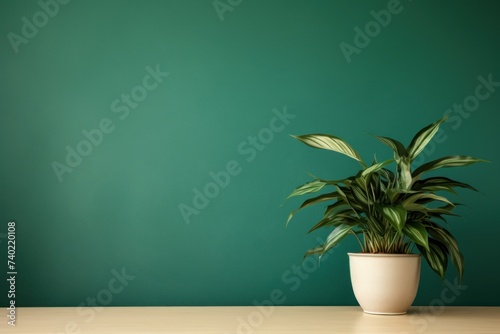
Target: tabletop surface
[(250, 320)]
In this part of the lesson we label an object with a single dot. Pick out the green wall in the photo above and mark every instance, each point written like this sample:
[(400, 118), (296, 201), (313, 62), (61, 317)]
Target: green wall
[(175, 94)]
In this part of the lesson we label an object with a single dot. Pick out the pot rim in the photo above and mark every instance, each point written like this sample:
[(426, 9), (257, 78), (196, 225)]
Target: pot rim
[(383, 255)]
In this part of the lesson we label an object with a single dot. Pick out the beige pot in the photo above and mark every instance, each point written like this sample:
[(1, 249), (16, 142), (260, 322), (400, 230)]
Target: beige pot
[(385, 283)]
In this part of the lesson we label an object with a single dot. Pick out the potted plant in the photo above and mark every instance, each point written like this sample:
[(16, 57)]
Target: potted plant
[(392, 214)]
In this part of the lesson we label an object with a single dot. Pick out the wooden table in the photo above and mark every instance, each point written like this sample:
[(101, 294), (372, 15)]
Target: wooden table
[(251, 320)]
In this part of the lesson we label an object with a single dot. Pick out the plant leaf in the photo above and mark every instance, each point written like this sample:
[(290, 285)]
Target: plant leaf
[(360, 197), (393, 193), (376, 167), (336, 236), (307, 188), (404, 171), (329, 142), (315, 250), (396, 215), (440, 183), (423, 137), (442, 210), (417, 233), (417, 198), (436, 256), (449, 161), (399, 149), (325, 222), (446, 238), (340, 204), (340, 218), (347, 196), (314, 200)]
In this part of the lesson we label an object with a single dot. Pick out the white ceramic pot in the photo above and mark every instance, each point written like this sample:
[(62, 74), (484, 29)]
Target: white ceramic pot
[(385, 283)]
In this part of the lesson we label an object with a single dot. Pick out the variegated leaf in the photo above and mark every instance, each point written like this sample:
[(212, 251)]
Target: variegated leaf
[(440, 183), (422, 138), (436, 256), (417, 233), (376, 167), (396, 215), (399, 149), (444, 236), (315, 250), (307, 188), (329, 142), (404, 172), (425, 196), (314, 200), (449, 161), (336, 236)]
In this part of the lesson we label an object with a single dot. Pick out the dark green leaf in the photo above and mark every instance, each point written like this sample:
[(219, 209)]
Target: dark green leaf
[(398, 148), (315, 250), (444, 236), (314, 200), (440, 183), (338, 219), (436, 256)]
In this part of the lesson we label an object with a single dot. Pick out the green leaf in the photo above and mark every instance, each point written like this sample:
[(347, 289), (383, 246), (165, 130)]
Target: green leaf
[(340, 218), (315, 250), (423, 137), (417, 233), (360, 197), (436, 256), (393, 194), (425, 197), (346, 195), (440, 183), (404, 172), (340, 204), (438, 188), (449, 161), (319, 199), (332, 143), (314, 200), (415, 207), (396, 215), (307, 188), (442, 210), (399, 149), (376, 167), (336, 236), (444, 236), (325, 222)]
